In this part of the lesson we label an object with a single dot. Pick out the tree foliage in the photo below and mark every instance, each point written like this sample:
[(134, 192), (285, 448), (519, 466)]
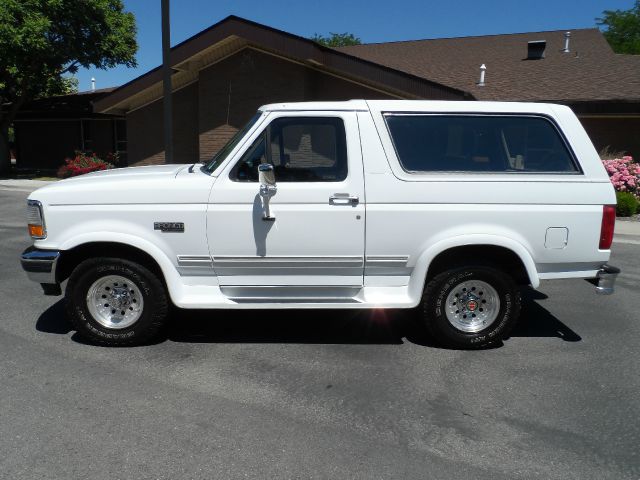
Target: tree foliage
[(42, 40), (622, 29), (337, 39)]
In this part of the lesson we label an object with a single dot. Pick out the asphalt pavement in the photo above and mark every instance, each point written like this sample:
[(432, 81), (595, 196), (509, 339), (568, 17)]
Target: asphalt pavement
[(322, 394)]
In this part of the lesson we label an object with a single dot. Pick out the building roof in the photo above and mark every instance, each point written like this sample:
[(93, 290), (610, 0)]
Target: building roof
[(73, 105), (591, 76), (591, 71), (234, 34)]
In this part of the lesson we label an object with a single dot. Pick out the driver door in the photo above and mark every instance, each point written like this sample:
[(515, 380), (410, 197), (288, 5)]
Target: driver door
[(317, 235)]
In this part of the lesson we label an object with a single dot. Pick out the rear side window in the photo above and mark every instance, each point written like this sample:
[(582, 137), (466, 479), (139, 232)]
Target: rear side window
[(479, 143), (301, 149)]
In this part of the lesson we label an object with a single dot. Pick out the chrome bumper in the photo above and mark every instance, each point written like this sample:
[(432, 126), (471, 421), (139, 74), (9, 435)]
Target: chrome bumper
[(40, 265), (606, 279)]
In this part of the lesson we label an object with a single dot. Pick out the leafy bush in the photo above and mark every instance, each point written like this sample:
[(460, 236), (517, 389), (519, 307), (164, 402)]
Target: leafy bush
[(82, 163), (608, 153), (627, 204), (624, 174)]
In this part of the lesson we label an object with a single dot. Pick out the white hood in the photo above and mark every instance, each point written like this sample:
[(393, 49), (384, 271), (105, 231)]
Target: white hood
[(157, 184), (148, 171)]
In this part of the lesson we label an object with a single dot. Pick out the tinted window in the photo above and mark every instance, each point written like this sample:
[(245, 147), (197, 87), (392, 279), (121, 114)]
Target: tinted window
[(432, 143), (246, 170), (301, 149), (231, 144)]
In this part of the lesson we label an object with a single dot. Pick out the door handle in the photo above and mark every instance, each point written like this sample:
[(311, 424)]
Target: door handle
[(343, 199)]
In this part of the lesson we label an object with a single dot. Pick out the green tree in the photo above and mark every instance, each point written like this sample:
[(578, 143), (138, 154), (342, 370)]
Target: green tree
[(43, 41), (622, 29), (337, 39)]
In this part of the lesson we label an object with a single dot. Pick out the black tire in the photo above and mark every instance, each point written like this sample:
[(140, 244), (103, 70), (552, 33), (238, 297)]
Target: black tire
[(443, 330), (152, 317)]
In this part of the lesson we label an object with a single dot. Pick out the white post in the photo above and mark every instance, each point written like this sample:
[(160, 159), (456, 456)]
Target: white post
[(93, 84), (483, 69), (567, 36)]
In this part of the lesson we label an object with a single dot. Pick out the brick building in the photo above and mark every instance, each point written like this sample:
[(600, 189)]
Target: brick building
[(224, 73), (576, 68)]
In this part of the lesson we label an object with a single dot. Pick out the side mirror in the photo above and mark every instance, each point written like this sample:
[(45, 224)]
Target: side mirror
[(266, 175), (267, 180)]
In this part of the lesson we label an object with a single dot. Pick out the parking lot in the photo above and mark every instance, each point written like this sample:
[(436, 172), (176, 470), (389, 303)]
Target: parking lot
[(321, 394)]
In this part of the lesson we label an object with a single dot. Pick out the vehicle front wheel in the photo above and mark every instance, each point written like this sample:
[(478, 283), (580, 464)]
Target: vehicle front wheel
[(471, 307), (116, 302)]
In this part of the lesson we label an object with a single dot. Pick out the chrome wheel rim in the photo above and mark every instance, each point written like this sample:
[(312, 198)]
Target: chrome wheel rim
[(472, 306), (115, 302)]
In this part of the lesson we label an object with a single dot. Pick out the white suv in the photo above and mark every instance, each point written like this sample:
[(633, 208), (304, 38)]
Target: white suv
[(359, 204)]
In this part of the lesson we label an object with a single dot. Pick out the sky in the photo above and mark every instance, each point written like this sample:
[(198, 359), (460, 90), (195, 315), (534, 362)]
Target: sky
[(370, 20)]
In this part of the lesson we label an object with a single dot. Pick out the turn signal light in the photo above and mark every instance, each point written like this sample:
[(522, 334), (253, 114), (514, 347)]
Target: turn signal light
[(35, 220), (36, 231), (608, 225)]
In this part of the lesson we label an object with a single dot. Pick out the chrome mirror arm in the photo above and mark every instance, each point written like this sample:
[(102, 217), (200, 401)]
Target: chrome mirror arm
[(268, 189)]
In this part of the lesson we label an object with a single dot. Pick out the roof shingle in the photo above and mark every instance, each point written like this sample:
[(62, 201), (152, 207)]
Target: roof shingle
[(591, 71)]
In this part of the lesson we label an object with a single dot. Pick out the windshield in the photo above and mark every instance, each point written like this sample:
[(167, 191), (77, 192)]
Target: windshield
[(222, 154)]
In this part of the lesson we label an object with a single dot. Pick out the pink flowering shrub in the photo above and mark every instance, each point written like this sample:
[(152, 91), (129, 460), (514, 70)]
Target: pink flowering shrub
[(624, 174), (82, 163)]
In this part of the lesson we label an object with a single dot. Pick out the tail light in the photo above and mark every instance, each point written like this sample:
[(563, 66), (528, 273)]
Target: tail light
[(608, 225)]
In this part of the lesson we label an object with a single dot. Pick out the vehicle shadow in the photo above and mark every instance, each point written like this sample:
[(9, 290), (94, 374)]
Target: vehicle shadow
[(54, 320), (537, 321), (376, 326), (288, 326)]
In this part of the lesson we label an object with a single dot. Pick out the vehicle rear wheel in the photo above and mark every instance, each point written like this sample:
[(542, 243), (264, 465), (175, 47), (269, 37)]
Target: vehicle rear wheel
[(471, 307), (116, 302)]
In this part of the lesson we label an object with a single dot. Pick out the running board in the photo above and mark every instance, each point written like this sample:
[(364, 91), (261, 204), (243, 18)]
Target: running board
[(312, 297), (298, 301), (292, 294)]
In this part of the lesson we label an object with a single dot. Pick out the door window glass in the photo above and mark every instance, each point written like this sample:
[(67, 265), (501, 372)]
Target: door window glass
[(301, 149)]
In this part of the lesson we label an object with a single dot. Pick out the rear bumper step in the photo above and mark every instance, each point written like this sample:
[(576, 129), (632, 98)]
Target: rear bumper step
[(605, 279)]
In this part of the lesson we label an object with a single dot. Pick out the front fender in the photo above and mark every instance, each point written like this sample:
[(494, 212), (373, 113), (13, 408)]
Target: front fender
[(168, 269)]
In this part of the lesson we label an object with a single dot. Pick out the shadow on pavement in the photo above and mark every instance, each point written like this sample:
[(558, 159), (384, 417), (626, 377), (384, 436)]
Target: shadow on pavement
[(318, 326), (289, 326), (54, 320), (537, 321)]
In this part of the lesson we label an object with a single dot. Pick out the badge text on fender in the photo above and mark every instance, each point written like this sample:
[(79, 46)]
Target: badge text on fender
[(169, 226)]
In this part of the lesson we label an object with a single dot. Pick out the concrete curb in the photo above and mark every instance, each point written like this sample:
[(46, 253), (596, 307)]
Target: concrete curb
[(27, 186), (17, 183), (626, 227)]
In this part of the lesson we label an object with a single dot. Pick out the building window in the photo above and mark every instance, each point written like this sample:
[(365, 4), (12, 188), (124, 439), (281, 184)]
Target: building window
[(86, 144), (120, 140)]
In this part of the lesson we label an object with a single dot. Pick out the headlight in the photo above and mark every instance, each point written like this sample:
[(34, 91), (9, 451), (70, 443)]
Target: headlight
[(35, 220)]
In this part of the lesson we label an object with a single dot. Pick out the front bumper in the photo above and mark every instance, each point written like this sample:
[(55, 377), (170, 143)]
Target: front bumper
[(606, 279), (40, 265)]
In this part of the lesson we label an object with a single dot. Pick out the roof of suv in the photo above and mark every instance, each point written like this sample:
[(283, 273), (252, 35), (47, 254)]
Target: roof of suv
[(442, 106)]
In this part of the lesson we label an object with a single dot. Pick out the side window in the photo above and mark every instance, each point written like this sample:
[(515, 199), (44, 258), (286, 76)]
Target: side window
[(480, 143), (301, 149), (246, 170)]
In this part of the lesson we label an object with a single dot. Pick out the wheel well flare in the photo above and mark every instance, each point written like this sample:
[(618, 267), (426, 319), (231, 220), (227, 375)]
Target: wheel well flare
[(70, 259), (488, 255)]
